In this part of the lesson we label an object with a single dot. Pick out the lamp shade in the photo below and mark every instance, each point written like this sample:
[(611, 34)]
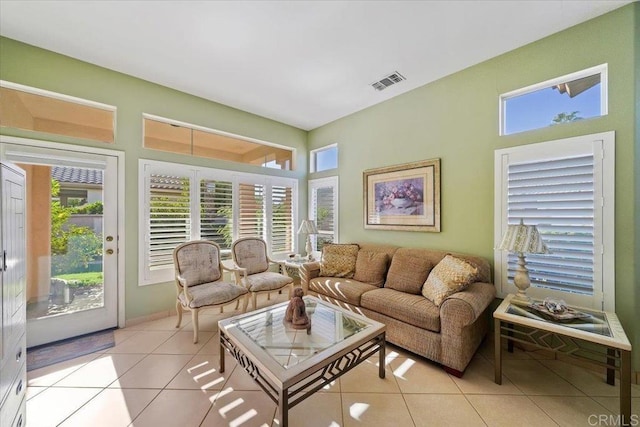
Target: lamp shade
[(307, 227), (523, 239)]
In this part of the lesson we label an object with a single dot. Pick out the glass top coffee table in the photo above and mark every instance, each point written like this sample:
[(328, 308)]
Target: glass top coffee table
[(292, 364), (592, 335)]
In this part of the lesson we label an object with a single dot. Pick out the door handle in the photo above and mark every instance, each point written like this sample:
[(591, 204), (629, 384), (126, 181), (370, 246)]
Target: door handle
[(109, 251), (4, 260)]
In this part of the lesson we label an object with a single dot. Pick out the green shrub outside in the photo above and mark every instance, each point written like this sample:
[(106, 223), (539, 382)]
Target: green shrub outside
[(77, 280)]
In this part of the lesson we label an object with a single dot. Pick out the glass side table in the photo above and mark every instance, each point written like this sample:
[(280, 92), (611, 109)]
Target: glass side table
[(293, 267), (597, 337)]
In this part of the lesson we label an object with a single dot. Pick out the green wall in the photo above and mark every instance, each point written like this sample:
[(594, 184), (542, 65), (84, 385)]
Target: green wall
[(456, 119), (31, 66), (635, 247)]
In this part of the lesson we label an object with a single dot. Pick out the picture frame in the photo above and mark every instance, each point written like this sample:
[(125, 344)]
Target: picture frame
[(403, 197)]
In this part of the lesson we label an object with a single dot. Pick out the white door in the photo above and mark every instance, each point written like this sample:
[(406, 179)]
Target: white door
[(72, 240)]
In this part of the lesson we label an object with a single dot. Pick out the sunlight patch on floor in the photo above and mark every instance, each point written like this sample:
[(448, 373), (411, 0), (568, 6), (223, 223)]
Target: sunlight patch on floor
[(357, 409)]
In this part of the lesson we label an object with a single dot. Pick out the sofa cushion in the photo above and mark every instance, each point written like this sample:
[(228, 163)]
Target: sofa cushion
[(435, 256), (407, 273), (415, 310), (449, 276), (267, 281), (339, 260), (346, 290), (371, 267)]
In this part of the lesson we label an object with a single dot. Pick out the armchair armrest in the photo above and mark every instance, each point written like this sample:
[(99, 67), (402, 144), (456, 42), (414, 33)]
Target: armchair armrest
[(280, 263), (239, 273), (183, 288), (308, 271), (180, 280)]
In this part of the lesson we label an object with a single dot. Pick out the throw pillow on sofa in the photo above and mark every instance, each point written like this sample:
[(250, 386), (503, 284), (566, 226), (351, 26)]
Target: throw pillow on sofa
[(339, 260), (371, 267), (407, 273), (449, 276)]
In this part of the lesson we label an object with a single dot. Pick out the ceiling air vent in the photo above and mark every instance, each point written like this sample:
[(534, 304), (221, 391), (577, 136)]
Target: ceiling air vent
[(387, 81)]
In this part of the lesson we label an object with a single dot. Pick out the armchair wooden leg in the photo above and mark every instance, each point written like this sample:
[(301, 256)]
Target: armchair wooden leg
[(245, 303), (255, 301), (237, 304), (179, 311), (194, 320)]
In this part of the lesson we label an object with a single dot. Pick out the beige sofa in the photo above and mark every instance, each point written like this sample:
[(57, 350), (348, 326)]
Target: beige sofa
[(449, 334)]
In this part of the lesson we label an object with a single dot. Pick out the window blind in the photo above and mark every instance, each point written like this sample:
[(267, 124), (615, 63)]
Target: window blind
[(556, 195), (281, 219), (250, 210), (216, 212), (169, 218), (323, 208)]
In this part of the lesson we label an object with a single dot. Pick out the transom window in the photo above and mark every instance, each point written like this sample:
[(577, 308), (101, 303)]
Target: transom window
[(566, 99), (28, 108), (183, 138), (324, 158)]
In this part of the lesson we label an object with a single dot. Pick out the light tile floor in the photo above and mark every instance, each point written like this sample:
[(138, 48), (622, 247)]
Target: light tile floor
[(155, 376)]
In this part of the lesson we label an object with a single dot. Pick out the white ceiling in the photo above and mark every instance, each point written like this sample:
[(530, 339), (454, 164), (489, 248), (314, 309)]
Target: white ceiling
[(304, 63)]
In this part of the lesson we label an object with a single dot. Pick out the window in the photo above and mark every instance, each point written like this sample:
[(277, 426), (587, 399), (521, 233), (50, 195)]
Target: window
[(566, 189), (169, 204), (281, 218), (324, 158), (216, 212), (181, 203), (32, 109), (570, 98), (323, 209), (183, 138)]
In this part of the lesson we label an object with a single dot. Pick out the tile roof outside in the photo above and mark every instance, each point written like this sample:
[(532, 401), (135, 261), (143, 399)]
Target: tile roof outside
[(76, 175)]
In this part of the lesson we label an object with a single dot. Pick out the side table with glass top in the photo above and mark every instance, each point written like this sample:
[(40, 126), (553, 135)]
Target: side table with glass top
[(597, 337), (293, 267)]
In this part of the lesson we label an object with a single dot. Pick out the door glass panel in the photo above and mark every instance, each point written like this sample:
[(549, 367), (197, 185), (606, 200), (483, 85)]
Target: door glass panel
[(65, 250)]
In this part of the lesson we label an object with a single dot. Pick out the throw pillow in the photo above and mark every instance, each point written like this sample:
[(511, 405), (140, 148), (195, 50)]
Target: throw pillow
[(371, 267), (339, 260), (407, 273), (449, 276)]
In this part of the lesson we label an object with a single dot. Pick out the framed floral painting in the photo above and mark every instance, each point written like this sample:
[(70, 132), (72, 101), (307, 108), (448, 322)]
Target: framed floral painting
[(403, 197)]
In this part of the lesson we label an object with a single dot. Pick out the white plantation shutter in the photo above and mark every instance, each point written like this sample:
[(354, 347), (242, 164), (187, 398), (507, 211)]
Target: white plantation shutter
[(323, 209), (556, 195), (180, 203), (567, 189), (281, 219), (216, 212), (169, 218), (251, 213)]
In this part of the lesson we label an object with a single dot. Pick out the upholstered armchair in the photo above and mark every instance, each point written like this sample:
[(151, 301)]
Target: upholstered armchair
[(199, 281), (252, 268)]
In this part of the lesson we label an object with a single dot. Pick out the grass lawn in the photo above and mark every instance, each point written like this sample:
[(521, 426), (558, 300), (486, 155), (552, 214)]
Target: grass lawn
[(83, 279)]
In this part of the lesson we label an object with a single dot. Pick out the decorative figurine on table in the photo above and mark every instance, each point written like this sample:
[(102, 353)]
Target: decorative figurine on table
[(296, 315)]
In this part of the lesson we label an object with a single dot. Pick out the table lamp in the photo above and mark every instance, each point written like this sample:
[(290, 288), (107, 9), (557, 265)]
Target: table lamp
[(522, 239), (308, 227)]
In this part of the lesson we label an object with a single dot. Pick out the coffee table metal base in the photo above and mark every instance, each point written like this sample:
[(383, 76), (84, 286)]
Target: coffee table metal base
[(299, 388)]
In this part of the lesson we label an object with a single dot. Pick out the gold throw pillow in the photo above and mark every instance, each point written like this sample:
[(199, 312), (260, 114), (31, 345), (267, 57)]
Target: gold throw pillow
[(339, 260), (449, 276)]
